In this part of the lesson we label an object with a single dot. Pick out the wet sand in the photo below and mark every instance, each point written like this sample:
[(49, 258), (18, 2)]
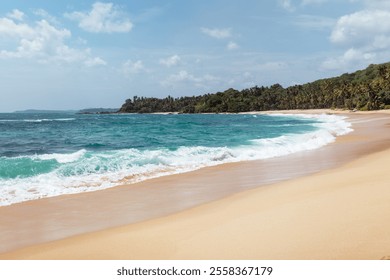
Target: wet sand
[(150, 209)]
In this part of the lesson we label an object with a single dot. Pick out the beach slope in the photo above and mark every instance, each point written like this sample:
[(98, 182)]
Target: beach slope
[(342, 213)]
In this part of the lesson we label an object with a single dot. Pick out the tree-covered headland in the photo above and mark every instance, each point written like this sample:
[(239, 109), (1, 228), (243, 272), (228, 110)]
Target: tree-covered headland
[(367, 89)]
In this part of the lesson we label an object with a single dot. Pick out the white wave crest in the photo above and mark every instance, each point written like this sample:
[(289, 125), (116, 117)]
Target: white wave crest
[(62, 158), (83, 171)]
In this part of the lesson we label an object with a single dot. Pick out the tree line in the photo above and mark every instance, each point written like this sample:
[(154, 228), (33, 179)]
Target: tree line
[(367, 89)]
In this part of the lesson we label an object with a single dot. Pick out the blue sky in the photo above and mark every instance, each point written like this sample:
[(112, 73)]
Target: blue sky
[(79, 54)]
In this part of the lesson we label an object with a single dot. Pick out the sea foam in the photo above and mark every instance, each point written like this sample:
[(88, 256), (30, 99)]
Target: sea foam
[(62, 158), (83, 170)]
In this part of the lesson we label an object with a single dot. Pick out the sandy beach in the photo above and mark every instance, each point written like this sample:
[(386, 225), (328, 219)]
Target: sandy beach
[(329, 203)]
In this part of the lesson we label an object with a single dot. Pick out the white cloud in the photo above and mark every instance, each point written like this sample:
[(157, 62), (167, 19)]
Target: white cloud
[(232, 46), (361, 28), (130, 67), (37, 40), (287, 5), (9, 28), (45, 15), (170, 61), (217, 33), (95, 61), (40, 41), (103, 18), (365, 37), (184, 77), (16, 14), (352, 57)]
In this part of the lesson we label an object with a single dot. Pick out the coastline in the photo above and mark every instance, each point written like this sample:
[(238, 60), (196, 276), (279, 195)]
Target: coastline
[(101, 218)]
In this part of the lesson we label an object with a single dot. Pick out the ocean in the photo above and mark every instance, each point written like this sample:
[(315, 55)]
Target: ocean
[(44, 155)]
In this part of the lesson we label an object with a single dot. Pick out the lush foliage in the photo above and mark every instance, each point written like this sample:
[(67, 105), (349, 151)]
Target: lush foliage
[(367, 89)]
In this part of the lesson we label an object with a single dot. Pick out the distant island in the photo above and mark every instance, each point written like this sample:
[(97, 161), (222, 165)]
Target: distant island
[(365, 90), (37, 111), (82, 111), (98, 111)]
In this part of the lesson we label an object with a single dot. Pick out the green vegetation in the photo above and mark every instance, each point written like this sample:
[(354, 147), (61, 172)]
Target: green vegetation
[(367, 89), (97, 111)]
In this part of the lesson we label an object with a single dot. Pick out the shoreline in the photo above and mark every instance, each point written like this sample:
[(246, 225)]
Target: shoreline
[(295, 220), (78, 218), (116, 164)]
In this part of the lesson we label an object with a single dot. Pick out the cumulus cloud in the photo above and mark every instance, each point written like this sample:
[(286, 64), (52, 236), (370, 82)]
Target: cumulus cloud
[(41, 41), (287, 5), (179, 77), (221, 33), (217, 33), (362, 27), (184, 77), (103, 18), (364, 34), (133, 67), (33, 40), (352, 57), (170, 61), (16, 14), (232, 46), (95, 61), (45, 15)]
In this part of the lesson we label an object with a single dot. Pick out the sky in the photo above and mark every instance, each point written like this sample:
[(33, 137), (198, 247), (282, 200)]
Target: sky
[(81, 54)]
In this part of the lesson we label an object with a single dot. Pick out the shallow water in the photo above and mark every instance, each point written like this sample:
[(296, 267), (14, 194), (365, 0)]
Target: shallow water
[(44, 155)]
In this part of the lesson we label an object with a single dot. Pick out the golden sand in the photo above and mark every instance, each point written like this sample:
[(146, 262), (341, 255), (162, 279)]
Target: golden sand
[(341, 212)]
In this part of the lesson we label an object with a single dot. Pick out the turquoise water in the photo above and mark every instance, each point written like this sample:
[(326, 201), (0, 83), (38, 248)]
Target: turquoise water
[(52, 154)]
